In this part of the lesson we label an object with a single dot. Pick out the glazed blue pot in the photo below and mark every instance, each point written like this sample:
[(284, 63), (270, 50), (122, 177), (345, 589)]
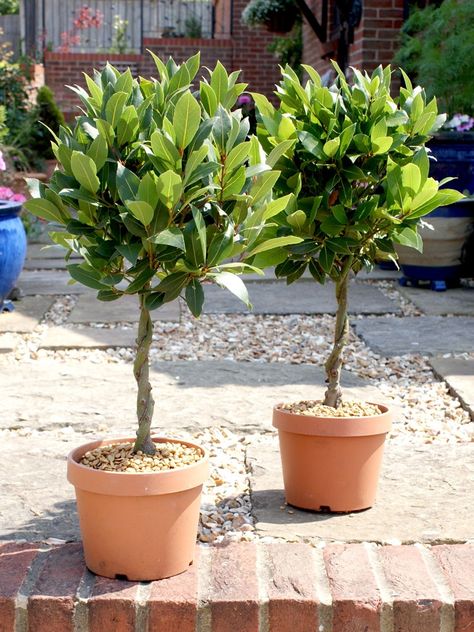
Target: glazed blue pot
[(12, 247)]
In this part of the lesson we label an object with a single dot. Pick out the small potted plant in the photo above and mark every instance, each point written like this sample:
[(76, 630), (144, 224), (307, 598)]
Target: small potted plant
[(357, 171), (435, 47), (278, 16), (157, 191)]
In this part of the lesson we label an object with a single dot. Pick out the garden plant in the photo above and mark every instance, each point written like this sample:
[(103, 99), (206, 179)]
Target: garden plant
[(157, 190), (358, 173)]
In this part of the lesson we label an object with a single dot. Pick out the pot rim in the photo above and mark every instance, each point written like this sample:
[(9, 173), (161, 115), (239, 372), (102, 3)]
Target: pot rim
[(296, 423), (135, 484)]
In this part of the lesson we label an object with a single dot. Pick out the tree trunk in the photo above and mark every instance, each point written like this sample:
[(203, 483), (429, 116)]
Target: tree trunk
[(333, 395), (145, 403)]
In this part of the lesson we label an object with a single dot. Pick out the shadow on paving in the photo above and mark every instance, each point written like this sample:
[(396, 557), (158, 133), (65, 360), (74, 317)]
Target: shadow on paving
[(58, 521)]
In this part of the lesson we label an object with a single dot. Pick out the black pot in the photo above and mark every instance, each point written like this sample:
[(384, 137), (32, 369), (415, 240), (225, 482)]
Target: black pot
[(281, 22), (454, 153)]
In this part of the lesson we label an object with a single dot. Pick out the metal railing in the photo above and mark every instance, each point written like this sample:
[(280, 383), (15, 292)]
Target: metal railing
[(120, 26)]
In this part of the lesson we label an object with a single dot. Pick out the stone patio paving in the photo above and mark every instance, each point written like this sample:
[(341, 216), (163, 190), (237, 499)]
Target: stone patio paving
[(51, 404)]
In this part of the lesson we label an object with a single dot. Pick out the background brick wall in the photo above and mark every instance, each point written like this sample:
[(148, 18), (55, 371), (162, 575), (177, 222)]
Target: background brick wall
[(245, 49), (375, 40)]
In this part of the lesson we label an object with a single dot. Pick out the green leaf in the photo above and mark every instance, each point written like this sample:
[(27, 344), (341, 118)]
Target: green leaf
[(131, 252), (264, 185), (201, 229), (109, 295), (124, 82), (154, 300), (221, 246), (330, 147), (164, 149), (339, 213), (234, 284), (326, 259), (194, 296), (127, 126), (220, 82), (170, 187), (275, 242), (170, 237), (85, 171), (141, 210), (86, 275), (277, 152), (172, 285), (45, 210), (411, 179), (106, 130), (147, 191), (382, 144), (186, 119), (98, 151), (208, 98), (114, 108), (297, 220), (127, 183), (194, 161), (237, 156), (140, 281), (274, 207), (409, 237)]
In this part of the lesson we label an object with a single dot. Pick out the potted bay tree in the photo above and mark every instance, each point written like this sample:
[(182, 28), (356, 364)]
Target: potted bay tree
[(357, 172), (159, 190)]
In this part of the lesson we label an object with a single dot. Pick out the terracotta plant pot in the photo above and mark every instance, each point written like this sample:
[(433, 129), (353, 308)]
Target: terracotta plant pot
[(331, 463), (137, 526)]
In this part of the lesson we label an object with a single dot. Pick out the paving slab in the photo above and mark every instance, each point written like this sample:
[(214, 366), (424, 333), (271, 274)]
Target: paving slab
[(88, 338), (427, 335), (7, 343), (89, 310), (459, 301), (425, 495), (44, 264), (26, 315), (188, 394), (302, 297), (458, 373), (69, 403), (48, 251), (34, 282)]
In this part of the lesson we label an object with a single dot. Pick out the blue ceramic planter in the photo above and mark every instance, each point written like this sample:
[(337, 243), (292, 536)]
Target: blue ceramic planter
[(12, 247)]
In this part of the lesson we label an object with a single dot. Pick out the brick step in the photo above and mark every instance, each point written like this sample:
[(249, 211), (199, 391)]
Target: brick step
[(246, 587)]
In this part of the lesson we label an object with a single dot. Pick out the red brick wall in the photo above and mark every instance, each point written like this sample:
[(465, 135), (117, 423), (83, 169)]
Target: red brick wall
[(245, 49), (375, 40), (259, 67)]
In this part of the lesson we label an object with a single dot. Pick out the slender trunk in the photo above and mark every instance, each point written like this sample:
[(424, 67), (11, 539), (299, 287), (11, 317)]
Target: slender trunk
[(333, 395), (145, 403)]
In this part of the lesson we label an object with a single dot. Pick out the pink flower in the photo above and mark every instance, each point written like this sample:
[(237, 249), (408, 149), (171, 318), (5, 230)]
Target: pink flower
[(18, 197), (6, 193), (3, 166)]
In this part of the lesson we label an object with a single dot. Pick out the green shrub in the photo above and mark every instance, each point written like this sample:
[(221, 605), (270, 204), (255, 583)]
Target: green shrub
[(47, 113), (436, 49), (357, 172), (9, 7), (157, 190)]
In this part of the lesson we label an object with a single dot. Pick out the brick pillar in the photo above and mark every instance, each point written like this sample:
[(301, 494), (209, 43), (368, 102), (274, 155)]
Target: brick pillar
[(259, 67), (375, 40)]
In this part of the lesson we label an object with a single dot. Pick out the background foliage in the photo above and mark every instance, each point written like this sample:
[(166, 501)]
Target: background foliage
[(436, 50)]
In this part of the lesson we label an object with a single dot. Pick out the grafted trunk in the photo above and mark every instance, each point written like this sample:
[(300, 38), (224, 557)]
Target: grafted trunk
[(141, 369), (333, 395)]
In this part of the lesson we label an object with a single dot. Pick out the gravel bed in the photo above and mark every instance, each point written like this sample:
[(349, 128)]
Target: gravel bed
[(426, 412)]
